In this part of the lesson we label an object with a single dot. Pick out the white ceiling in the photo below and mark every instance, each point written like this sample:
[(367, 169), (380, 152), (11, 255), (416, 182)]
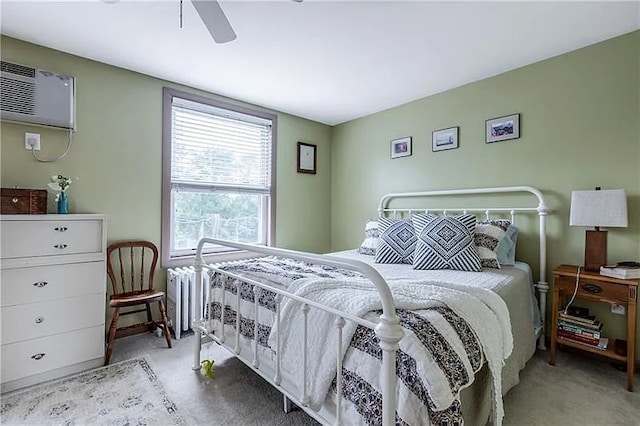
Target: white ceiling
[(329, 61)]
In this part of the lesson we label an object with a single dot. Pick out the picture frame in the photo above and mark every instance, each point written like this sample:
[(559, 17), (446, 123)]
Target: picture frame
[(401, 147), (307, 158), (444, 139), (502, 128)]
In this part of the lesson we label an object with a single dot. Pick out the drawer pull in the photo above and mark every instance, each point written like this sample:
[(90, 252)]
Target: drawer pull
[(39, 320), (38, 357), (592, 288), (14, 200), (61, 246), (60, 228), (40, 284)]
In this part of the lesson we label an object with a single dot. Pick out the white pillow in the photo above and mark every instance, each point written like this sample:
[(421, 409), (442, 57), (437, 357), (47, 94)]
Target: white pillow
[(371, 237)]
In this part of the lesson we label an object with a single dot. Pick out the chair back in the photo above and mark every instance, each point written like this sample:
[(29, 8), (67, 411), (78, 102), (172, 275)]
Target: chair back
[(131, 265)]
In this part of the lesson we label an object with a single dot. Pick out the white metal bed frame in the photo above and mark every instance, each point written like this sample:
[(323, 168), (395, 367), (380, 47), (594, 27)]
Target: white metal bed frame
[(387, 329)]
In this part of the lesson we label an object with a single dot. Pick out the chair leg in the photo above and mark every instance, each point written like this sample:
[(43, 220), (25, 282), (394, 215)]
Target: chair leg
[(112, 336), (149, 319), (165, 323)]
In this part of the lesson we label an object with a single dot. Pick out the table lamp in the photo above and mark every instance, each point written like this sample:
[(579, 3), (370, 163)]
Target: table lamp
[(607, 208)]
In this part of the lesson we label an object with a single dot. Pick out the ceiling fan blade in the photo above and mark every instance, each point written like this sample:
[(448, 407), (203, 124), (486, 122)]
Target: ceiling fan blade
[(214, 19)]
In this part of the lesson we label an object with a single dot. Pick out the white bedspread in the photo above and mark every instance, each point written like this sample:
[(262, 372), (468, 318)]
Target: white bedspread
[(482, 309), (492, 279)]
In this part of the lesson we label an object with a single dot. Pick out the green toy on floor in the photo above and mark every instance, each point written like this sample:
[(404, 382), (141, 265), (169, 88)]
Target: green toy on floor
[(207, 366)]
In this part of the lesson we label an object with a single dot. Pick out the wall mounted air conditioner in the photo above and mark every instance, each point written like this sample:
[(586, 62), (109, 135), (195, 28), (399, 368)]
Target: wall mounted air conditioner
[(31, 95)]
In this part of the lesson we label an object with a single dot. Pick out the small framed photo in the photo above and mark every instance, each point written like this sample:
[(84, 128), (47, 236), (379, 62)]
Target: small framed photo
[(307, 157), (401, 147), (503, 128), (445, 139)]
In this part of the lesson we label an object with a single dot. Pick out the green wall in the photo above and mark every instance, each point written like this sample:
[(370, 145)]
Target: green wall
[(579, 129), (117, 150)]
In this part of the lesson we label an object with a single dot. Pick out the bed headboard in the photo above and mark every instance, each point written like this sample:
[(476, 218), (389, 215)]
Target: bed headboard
[(536, 205)]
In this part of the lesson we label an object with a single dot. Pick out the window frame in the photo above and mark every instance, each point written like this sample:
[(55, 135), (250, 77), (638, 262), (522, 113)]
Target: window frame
[(166, 236)]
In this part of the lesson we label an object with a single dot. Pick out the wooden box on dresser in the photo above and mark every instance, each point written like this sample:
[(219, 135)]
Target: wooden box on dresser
[(53, 294)]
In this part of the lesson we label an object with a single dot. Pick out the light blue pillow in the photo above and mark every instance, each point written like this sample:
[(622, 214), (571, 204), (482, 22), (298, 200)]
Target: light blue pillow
[(506, 249)]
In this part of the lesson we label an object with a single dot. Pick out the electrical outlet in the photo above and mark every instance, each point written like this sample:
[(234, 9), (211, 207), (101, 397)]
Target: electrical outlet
[(32, 141), (617, 309)]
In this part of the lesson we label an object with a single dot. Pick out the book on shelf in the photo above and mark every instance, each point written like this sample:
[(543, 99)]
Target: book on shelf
[(586, 319), (578, 337), (623, 272), (596, 326), (601, 344), (580, 326), (595, 334)]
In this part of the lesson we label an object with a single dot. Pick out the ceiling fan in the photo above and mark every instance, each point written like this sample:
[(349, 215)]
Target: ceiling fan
[(213, 18)]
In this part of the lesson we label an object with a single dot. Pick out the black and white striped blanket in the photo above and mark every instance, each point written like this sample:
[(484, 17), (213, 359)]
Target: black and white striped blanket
[(449, 333)]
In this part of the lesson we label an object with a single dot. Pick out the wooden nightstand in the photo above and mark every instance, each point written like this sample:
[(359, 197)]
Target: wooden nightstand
[(597, 288)]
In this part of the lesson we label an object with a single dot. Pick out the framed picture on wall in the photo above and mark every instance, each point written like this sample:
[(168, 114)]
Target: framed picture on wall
[(307, 157), (401, 147), (444, 139), (503, 128)]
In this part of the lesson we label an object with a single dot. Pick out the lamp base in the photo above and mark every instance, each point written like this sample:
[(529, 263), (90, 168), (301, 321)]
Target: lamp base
[(595, 250)]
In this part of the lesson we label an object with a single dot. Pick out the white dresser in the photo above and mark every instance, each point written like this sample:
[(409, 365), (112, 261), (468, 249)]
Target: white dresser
[(53, 296)]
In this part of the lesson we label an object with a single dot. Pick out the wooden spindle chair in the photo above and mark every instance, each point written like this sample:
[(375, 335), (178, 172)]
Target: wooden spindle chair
[(132, 285)]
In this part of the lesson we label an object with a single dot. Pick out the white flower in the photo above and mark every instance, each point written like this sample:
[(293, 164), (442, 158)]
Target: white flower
[(55, 186), (60, 183)]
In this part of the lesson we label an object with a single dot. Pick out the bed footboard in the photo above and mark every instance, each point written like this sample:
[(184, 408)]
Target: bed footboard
[(387, 329)]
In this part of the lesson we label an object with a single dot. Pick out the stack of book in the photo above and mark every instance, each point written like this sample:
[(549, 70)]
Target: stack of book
[(619, 271), (584, 330)]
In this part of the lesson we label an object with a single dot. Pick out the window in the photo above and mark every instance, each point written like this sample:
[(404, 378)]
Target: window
[(218, 163)]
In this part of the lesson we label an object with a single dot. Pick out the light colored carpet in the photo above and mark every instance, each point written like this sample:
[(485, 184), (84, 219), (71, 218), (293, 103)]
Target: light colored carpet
[(125, 393), (235, 396), (577, 391)]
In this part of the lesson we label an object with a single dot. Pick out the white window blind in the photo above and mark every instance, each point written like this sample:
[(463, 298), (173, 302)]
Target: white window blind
[(219, 149), (218, 180)]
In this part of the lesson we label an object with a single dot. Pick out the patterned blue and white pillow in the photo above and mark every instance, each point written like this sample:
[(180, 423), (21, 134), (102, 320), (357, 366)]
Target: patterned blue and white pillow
[(371, 234), (446, 242), (397, 241), (489, 234)]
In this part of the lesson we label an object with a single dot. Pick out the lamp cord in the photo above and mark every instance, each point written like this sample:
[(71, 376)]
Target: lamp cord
[(575, 291)]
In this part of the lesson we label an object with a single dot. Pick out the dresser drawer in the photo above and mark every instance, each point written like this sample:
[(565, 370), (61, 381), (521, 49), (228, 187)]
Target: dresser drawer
[(594, 289), (42, 283), (24, 322), (39, 355), (50, 237)]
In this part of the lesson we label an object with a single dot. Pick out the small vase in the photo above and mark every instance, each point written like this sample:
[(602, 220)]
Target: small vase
[(63, 203)]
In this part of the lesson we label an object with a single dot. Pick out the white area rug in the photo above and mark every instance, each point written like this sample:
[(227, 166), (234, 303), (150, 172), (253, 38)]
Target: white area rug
[(126, 393)]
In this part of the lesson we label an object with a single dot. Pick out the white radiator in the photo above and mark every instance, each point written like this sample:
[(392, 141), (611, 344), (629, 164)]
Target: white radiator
[(180, 297)]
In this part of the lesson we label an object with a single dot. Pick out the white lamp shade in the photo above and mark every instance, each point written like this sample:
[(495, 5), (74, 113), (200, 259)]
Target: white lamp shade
[(606, 208)]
